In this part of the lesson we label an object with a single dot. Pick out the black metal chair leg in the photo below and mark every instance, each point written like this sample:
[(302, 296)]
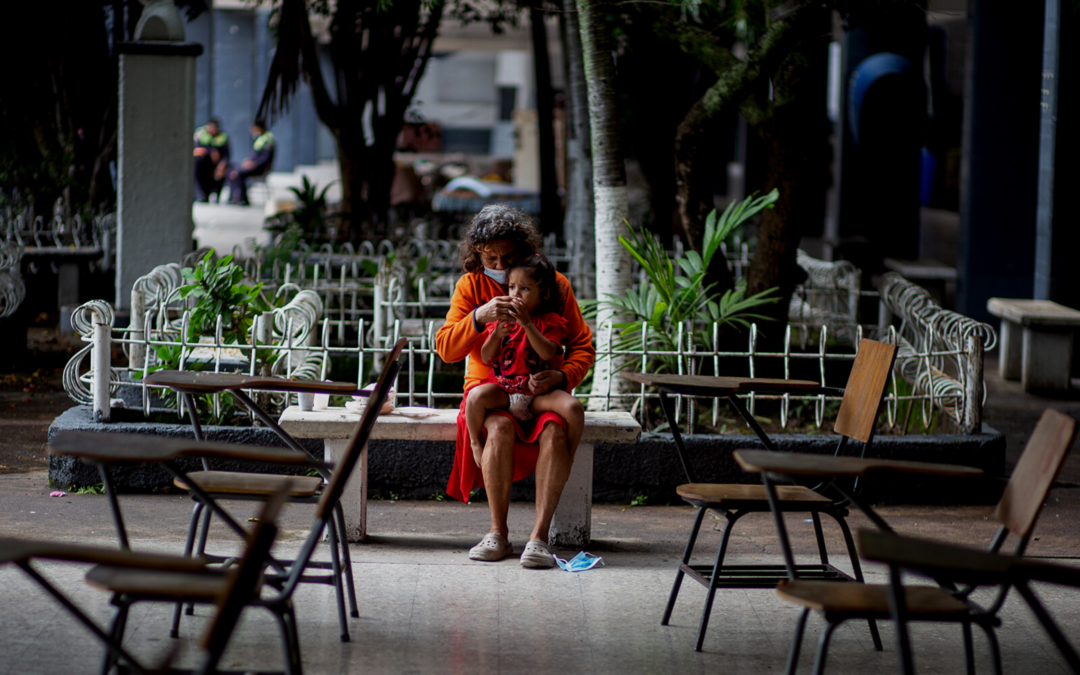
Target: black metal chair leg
[(713, 581), (995, 648), (969, 648), (346, 559), (200, 549), (189, 546), (296, 664), (116, 635), (823, 647), (685, 561), (289, 641), (856, 567), (823, 554), (339, 592), (796, 642), (898, 610), (1050, 626)]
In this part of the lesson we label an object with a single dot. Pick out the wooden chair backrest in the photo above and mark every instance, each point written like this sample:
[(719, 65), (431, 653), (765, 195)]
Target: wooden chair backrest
[(332, 492), (865, 389), (245, 580), (1035, 472)]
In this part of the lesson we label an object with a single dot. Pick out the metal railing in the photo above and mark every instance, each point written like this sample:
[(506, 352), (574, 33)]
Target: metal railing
[(940, 355), (63, 235), (12, 288)]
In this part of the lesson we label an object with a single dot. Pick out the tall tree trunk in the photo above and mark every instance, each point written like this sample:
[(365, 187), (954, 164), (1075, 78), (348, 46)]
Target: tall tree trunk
[(696, 135), (737, 81), (609, 189), (550, 207), (796, 137), (379, 54), (578, 224)]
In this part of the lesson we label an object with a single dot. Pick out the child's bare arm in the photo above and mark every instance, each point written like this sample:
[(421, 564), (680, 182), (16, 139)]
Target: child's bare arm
[(490, 348), (545, 348)]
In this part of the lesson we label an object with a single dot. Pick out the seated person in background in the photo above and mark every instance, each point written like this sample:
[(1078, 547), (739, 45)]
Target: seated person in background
[(520, 348), (211, 159), (258, 164)]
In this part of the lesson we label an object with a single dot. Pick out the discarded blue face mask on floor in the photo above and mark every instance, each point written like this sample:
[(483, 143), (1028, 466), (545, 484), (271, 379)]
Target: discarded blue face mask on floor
[(581, 562)]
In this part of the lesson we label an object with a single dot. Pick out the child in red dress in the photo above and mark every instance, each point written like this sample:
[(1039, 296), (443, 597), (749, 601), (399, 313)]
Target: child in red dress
[(516, 350)]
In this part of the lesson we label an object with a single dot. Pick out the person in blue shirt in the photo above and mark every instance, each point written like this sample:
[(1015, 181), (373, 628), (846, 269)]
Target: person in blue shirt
[(258, 164), (211, 160)]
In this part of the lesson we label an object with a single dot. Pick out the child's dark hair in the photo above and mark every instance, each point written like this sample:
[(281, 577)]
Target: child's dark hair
[(542, 271)]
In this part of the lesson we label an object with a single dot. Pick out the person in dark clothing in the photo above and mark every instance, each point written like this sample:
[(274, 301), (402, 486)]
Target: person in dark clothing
[(258, 164), (211, 160)]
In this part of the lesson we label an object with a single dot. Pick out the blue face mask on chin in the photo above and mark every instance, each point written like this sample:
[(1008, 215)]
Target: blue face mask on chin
[(581, 562), (498, 275)]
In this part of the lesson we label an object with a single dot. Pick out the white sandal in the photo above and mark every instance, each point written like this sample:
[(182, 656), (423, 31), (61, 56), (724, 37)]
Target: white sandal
[(493, 547), (536, 555)]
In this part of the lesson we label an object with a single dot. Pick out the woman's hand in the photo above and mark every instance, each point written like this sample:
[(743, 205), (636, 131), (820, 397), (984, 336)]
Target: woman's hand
[(521, 314), (498, 308), (544, 381), (502, 329)]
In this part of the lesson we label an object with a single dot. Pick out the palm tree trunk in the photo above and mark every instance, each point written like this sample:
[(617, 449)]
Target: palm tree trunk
[(578, 224), (550, 205), (609, 190)]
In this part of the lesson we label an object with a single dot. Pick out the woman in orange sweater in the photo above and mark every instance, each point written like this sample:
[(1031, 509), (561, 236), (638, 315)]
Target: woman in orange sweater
[(498, 236)]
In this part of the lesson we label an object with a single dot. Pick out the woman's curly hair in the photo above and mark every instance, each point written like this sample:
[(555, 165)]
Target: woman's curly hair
[(495, 222)]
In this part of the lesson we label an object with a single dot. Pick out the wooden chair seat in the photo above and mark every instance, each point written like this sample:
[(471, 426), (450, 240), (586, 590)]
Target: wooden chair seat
[(159, 585), (735, 496), (867, 601), (231, 482)]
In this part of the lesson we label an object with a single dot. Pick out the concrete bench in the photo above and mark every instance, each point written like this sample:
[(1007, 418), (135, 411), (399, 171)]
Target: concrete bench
[(937, 278), (572, 523), (1036, 341)]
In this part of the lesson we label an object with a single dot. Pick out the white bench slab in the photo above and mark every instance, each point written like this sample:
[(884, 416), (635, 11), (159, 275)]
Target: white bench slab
[(572, 522), (1036, 341)]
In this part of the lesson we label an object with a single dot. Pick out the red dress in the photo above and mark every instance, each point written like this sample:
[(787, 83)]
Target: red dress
[(517, 359), (511, 368)]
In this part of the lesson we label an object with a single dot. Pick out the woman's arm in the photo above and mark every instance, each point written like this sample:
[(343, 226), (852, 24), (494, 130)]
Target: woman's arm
[(455, 339)]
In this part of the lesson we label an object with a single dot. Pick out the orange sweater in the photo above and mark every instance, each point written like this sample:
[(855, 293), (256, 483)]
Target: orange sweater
[(458, 337)]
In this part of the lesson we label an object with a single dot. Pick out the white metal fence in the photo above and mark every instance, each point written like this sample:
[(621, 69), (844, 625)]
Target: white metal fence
[(940, 355)]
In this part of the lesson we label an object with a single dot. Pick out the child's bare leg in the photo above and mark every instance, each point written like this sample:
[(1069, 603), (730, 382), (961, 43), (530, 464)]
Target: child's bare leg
[(567, 407), (482, 398)]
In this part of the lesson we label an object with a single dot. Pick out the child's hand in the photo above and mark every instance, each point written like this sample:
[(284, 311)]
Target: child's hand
[(502, 329), (522, 315)]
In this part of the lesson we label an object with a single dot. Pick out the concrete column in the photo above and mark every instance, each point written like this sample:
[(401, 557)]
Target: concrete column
[(157, 118), (571, 525), (1000, 156), (354, 497)]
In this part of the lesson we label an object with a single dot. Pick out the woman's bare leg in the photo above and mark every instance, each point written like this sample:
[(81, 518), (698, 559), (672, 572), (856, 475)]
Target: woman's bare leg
[(497, 465), (481, 399), (552, 471), (567, 407)]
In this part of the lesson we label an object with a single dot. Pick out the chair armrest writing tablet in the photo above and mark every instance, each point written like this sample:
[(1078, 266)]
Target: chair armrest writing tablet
[(966, 565), (210, 383), (19, 550), (137, 448), (802, 464), (703, 385)]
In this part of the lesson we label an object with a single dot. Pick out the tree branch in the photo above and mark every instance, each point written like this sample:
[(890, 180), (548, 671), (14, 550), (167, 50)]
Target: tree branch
[(699, 43)]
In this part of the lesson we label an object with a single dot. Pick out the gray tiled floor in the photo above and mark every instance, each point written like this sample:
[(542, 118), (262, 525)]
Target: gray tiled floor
[(427, 609)]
